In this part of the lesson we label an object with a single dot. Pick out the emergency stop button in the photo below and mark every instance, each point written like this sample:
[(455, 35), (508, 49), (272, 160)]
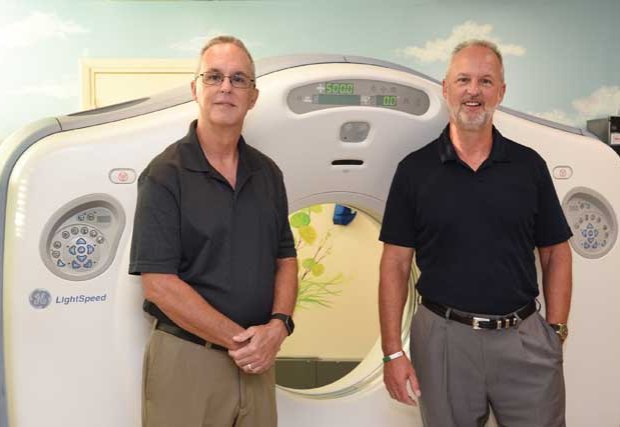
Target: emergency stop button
[(562, 172), (122, 176)]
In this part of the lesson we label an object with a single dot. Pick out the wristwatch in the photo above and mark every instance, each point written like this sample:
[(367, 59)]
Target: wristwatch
[(287, 320), (561, 329)]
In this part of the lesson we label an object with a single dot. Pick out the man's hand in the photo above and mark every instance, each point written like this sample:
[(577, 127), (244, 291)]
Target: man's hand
[(263, 344), (399, 378)]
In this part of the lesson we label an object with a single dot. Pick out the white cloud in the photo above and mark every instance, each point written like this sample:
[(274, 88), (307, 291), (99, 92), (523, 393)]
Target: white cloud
[(194, 44), (557, 116), (440, 49), (65, 89), (37, 27), (604, 101)]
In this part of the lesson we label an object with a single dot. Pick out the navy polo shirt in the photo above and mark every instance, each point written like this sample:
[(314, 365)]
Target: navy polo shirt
[(224, 242), (474, 232)]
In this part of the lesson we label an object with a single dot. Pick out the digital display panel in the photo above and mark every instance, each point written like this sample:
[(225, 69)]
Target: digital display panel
[(387, 100), (364, 93), (338, 99), (104, 219), (339, 88)]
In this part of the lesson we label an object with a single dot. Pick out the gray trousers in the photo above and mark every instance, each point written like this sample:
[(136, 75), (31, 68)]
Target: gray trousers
[(463, 372)]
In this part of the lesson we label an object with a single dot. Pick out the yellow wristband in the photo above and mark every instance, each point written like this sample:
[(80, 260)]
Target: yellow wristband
[(393, 356)]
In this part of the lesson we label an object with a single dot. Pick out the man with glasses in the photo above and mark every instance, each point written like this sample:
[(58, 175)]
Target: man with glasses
[(474, 206), (217, 261)]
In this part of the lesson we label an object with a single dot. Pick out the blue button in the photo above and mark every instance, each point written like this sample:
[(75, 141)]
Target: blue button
[(584, 233), (590, 233), (590, 239), (75, 265), (90, 249), (81, 241), (81, 258), (59, 263), (588, 226), (81, 249), (72, 250), (586, 246), (595, 245), (88, 264)]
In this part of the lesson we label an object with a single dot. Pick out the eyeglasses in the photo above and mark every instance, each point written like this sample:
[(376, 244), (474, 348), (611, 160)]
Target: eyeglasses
[(214, 78)]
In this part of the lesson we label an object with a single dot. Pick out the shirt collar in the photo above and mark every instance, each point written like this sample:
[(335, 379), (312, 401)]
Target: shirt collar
[(447, 151), (194, 159)]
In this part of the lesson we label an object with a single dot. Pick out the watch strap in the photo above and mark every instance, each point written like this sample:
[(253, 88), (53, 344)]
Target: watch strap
[(286, 319)]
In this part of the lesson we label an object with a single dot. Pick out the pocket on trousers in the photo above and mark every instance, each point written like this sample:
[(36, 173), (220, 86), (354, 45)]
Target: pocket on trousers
[(554, 339), (539, 341), (422, 326), (148, 368)]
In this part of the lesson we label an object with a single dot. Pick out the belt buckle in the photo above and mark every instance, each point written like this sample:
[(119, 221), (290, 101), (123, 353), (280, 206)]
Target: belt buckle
[(476, 322)]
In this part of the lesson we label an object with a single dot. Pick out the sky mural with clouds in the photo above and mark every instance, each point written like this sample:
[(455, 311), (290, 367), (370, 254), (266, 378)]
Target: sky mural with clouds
[(562, 56)]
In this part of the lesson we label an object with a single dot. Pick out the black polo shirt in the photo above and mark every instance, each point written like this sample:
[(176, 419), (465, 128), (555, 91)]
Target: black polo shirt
[(474, 233), (224, 242)]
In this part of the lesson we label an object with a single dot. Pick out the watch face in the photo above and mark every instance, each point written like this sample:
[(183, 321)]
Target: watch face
[(290, 325), (561, 329)]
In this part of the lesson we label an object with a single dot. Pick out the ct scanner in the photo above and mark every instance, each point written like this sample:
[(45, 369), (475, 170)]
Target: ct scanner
[(72, 326)]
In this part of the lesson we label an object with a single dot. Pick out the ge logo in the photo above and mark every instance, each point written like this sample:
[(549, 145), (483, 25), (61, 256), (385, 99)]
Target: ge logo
[(40, 298)]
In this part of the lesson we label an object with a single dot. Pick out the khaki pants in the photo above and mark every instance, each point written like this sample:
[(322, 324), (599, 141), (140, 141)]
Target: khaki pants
[(464, 372), (187, 385)]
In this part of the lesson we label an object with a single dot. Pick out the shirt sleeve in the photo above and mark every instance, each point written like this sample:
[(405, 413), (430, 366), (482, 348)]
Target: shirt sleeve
[(286, 245), (398, 225), (156, 241), (551, 225)]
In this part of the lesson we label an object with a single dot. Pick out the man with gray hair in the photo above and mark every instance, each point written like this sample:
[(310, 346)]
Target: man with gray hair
[(473, 206), (216, 256)]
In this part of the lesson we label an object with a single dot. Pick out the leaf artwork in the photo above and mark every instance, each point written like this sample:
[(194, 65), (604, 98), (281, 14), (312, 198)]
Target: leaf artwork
[(300, 219), (308, 234), (316, 287)]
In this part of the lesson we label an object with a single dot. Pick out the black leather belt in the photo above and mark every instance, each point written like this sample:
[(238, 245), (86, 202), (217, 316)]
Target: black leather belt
[(187, 336), (478, 322)]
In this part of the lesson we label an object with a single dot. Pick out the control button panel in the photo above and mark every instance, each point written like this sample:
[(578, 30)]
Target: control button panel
[(80, 240), (592, 221)]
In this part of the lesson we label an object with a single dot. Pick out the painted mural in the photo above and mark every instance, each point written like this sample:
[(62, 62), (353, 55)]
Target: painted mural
[(562, 56)]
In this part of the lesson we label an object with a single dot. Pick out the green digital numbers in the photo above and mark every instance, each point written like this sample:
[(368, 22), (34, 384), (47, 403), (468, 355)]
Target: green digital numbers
[(339, 88), (387, 101)]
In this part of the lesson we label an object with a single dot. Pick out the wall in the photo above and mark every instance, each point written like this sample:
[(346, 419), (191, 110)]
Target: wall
[(562, 56)]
